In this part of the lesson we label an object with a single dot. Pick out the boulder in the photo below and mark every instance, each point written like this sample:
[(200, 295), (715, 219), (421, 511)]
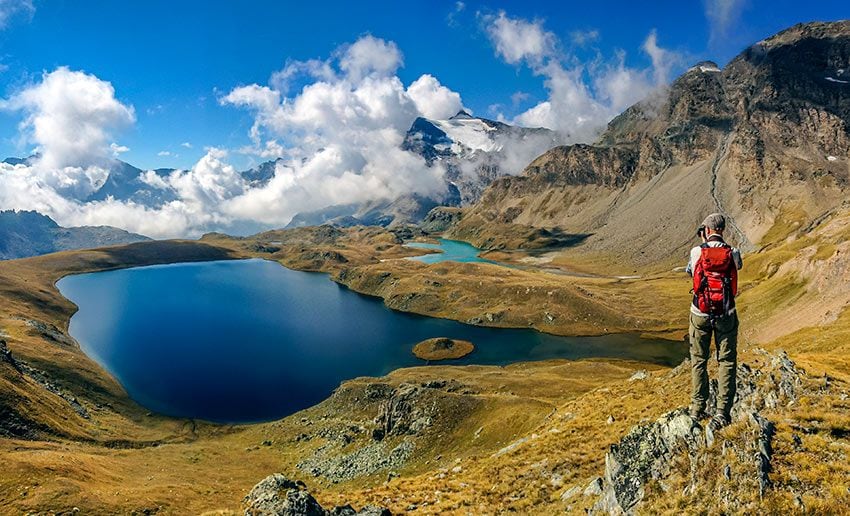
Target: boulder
[(401, 413), (276, 495)]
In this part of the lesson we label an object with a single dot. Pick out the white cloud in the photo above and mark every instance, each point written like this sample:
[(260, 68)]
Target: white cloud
[(151, 178), (722, 16), (432, 99), (313, 69), (11, 8), (118, 149), (517, 40), (582, 97), (70, 116), (370, 56), (186, 144)]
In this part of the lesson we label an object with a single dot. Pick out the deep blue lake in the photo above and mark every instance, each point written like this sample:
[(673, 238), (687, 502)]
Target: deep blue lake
[(249, 340)]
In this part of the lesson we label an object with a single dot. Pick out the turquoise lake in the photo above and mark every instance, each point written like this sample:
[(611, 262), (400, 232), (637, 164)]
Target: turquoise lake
[(452, 250), (249, 340)]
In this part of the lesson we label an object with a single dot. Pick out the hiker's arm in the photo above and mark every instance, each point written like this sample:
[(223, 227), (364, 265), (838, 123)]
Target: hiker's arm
[(691, 262), (736, 257)]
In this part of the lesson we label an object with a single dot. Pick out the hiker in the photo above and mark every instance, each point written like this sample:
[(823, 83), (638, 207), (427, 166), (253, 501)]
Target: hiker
[(714, 266)]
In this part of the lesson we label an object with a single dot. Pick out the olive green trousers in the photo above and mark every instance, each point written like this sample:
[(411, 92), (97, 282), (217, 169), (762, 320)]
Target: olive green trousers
[(725, 331)]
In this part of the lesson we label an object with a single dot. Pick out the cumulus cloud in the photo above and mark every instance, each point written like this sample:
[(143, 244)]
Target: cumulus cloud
[(721, 16), (70, 116), (339, 138), (432, 99), (582, 97), (370, 56)]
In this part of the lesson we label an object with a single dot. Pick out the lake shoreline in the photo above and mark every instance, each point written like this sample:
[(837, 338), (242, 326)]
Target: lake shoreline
[(497, 346)]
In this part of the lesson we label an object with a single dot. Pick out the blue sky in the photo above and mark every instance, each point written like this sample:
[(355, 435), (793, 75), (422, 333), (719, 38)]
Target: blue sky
[(172, 61)]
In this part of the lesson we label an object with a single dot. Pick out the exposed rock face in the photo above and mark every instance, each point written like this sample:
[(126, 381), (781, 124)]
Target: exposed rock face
[(766, 136), (648, 450), (643, 454), (440, 219), (402, 413), (276, 495)]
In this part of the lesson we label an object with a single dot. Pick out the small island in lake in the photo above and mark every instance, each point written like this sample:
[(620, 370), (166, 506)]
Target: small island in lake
[(442, 348)]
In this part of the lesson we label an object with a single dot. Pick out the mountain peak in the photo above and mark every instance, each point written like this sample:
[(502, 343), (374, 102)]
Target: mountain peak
[(705, 67), (461, 115)]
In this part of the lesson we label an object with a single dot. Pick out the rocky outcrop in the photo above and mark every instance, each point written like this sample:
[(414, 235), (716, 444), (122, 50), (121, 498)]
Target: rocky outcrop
[(50, 332), (402, 413), (41, 379), (373, 457), (6, 356), (646, 453), (440, 219), (276, 495)]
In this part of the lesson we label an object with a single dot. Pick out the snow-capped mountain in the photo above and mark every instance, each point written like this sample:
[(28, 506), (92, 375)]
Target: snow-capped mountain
[(475, 151)]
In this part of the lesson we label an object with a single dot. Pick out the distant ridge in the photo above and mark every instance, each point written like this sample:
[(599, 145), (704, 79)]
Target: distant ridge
[(29, 233)]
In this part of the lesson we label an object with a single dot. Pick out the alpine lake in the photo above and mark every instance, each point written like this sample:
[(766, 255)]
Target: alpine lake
[(250, 340)]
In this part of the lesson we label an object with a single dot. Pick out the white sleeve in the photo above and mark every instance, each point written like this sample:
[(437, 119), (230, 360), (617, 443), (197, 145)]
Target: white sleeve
[(692, 261)]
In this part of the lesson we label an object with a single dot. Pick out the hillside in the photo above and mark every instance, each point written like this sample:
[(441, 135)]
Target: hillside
[(27, 233), (765, 140)]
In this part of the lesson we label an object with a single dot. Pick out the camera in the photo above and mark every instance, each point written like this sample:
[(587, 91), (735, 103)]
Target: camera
[(701, 232)]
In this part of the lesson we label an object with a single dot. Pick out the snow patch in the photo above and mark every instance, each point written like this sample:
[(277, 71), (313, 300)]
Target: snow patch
[(704, 68), (831, 158), (839, 81), (472, 133)]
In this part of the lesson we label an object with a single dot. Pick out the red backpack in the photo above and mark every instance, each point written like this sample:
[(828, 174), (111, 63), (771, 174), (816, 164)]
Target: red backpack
[(715, 280)]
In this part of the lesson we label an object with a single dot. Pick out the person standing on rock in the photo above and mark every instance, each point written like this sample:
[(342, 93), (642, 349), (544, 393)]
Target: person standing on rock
[(714, 266)]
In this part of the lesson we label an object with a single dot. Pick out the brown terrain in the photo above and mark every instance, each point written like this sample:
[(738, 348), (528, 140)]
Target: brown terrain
[(592, 229)]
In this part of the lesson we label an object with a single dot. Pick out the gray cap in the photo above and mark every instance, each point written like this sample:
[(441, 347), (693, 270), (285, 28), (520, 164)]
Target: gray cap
[(715, 222)]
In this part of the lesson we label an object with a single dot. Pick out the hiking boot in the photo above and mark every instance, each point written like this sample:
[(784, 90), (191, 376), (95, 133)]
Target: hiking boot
[(697, 414), (717, 422)]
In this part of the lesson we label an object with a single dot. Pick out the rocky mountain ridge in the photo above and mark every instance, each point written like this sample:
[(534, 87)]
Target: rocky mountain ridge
[(765, 139), (28, 233)]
